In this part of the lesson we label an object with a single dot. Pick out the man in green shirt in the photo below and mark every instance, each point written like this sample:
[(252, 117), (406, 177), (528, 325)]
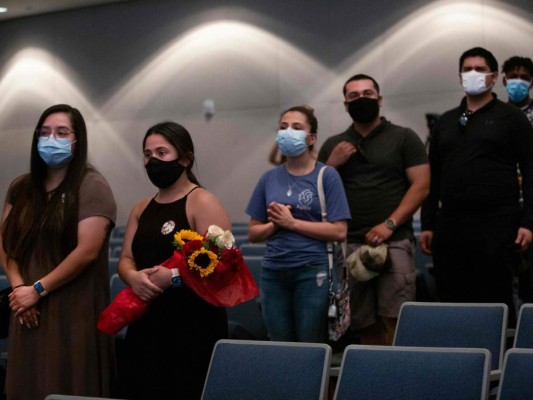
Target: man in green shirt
[(385, 173)]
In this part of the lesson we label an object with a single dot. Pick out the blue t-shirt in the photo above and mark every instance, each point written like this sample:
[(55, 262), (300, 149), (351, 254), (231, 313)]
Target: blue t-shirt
[(285, 248)]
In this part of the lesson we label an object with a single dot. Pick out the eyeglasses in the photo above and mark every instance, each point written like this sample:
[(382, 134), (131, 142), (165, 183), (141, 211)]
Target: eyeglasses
[(59, 133), (463, 119)]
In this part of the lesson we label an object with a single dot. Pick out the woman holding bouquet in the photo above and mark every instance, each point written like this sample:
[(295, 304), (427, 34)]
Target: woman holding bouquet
[(167, 351), (285, 211), (55, 233)]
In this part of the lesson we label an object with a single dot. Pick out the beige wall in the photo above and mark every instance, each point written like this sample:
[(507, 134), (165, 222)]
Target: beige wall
[(129, 65)]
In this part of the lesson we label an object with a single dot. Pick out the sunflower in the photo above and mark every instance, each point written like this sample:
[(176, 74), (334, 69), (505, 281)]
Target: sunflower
[(204, 261), (184, 236)]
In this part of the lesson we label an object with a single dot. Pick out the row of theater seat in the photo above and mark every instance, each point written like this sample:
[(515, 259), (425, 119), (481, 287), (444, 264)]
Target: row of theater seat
[(298, 371), (421, 326), (255, 370), (453, 337), (434, 332)]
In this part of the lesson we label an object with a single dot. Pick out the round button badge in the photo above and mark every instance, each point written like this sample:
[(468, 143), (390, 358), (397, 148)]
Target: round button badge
[(168, 227)]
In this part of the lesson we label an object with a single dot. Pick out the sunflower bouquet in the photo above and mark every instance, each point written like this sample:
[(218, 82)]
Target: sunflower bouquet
[(212, 267), (204, 253), (209, 264)]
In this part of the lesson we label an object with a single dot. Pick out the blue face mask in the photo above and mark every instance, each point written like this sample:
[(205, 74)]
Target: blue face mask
[(291, 142), (55, 152), (517, 89)]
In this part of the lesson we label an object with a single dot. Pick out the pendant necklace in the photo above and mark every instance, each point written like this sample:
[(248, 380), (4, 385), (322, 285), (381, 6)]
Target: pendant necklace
[(289, 191)]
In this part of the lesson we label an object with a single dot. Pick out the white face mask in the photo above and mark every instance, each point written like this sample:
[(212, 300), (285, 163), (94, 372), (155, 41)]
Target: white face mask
[(474, 82)]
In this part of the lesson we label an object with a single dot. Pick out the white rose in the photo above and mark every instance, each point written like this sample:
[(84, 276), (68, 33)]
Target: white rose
[(213, 232), (226, 241)]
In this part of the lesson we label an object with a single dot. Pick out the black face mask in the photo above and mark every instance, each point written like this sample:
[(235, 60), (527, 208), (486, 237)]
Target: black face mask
[(163, 173), (364, 109)]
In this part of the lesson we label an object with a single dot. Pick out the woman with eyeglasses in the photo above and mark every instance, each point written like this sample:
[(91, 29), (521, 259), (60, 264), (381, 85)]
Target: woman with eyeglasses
[(55, 230), (285, 212)]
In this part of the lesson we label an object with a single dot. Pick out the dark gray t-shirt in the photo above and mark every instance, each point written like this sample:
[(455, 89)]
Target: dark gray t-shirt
[(374, 178)]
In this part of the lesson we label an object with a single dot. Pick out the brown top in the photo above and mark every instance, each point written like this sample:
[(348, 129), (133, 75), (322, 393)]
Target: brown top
[(65, 353)]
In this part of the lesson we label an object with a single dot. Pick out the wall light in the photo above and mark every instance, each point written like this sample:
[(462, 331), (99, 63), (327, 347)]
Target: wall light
[(209, 109), (3, 9)]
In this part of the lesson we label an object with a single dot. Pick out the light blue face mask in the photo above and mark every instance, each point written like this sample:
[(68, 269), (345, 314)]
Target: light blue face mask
[(291, 142), (55, 152), (517, 89)]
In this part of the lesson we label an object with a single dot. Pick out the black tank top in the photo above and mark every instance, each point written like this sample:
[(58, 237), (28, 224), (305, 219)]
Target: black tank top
[(167, 350), (152, 243)]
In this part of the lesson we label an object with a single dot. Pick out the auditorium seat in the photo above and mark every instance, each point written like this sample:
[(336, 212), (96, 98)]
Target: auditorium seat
[(516, 382), (524, 328), (470, 325), (261, 370), (413, 373)]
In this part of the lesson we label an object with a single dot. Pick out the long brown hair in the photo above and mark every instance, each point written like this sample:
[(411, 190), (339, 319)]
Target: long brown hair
[(44, 225)]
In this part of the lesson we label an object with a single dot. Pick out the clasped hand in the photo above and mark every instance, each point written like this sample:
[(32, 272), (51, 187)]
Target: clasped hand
[(146, 282), (280, 215), (22, 302)]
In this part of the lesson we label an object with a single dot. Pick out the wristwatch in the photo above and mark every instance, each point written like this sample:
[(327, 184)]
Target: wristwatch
[(176, 278), (391, 224), (39, 288)]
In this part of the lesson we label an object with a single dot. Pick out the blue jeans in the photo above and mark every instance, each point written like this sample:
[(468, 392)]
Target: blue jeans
[(295, 303)]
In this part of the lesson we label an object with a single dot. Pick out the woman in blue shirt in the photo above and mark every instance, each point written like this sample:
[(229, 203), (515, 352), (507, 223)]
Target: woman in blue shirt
[(285, 211)]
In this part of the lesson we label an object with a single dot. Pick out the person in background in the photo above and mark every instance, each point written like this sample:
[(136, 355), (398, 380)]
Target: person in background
[(517, 78), (167, 351), (285, 211), (472, 222), (55, 231), (385, 173)]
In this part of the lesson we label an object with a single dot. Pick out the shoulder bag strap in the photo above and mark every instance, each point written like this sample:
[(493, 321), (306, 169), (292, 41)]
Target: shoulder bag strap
[(324, 213)]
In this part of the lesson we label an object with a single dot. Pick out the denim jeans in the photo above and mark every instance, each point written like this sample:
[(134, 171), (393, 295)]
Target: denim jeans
[(295, 303)]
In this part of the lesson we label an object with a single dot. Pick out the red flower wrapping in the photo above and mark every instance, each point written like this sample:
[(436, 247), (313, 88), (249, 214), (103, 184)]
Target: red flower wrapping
[(125, 308), (232, 283)]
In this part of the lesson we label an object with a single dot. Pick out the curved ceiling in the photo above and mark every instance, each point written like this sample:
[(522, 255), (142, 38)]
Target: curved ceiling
[(26, 8)]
